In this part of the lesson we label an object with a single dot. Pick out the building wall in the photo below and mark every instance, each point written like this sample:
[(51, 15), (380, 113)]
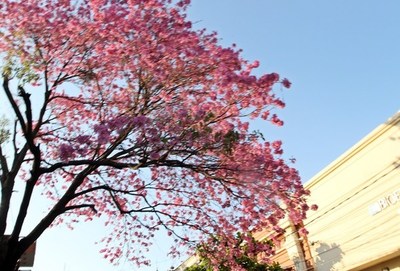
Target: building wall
[(391, 265), (357, 224)]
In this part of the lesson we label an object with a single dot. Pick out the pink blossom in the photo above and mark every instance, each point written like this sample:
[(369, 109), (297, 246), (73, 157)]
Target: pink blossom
[(303, 232), (66, 152), (277, 121), (140, 121), (153, 111), (286, 83), (83, 139), (277, 146), (103, 134), (154, 156)]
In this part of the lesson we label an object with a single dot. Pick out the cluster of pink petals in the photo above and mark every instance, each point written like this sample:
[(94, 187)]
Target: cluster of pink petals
[(155, 110)]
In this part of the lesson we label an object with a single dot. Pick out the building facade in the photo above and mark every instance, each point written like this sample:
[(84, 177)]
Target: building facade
[(357, 224)]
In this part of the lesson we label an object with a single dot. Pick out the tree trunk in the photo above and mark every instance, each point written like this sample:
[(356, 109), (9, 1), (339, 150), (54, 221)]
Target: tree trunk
[(11, 265), (8, 259)]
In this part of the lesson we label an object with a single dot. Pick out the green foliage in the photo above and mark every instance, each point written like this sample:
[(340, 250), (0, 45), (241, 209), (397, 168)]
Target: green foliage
[(229, 141), (24, 71), (4, 132), (258, 134), (244, 260)]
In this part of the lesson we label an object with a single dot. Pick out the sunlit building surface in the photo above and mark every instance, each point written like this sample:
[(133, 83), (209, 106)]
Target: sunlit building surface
[(357, 224)]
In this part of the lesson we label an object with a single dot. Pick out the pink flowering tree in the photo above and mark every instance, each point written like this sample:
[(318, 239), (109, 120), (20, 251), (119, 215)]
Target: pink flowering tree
[(121, 109)]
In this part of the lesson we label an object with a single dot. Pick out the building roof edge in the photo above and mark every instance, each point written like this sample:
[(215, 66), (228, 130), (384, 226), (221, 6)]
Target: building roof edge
[(352, 151)]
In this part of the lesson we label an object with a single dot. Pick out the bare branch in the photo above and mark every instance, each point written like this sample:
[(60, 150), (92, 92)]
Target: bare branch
[(80, 206), (4, 166), (13, 103)]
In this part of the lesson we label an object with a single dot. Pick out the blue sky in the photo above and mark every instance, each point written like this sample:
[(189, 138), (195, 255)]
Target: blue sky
[(342, 57), (343, 60)]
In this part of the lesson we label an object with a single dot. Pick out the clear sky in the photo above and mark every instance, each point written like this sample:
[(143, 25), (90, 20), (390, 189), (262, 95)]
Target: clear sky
[(343, 59)]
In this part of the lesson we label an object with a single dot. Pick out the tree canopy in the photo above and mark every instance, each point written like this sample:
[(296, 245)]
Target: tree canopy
[(251, 256), (121, 109)]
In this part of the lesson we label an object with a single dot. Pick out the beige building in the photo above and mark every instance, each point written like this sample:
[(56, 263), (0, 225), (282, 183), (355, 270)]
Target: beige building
[(357, 225)]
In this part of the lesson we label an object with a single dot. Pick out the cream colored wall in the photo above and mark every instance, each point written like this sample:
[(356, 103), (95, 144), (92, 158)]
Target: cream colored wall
[(393, 265), (189, 262), (343, 233)]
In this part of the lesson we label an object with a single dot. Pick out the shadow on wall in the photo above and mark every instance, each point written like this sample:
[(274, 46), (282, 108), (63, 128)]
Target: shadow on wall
[(327, 256)]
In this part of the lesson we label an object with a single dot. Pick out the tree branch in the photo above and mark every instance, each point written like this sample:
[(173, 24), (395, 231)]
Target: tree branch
[(57, 209), (4, 166), (100, 162), (28, 109), (72, 207), (7, 187), (14, 105)]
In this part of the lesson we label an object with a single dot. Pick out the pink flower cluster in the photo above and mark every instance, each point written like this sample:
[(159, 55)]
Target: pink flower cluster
[(150, 112)]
